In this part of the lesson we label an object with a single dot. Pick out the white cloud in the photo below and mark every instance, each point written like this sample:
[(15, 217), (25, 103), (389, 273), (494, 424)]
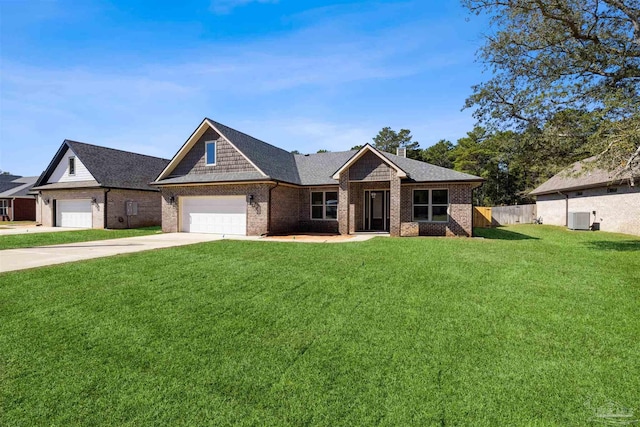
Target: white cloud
[(224, 7), (274, 88)]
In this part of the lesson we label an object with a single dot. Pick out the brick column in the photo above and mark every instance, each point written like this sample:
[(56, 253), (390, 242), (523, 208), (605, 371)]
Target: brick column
[(394, 209), (343, 203)]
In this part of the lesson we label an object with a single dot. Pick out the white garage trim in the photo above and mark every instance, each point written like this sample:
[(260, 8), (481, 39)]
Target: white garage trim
[(213, 214), (74, 213)]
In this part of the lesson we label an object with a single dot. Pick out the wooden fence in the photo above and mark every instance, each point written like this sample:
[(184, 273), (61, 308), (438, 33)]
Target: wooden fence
[(518, 214), (485, 217), (481, 217)]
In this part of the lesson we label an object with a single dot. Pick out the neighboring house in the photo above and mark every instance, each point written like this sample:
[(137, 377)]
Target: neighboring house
[(16, 204), (224, 181), (614, 205), (88, 186)]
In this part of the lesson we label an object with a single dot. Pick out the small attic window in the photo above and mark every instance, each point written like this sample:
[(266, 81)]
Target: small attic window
[(72, 165), (210, 152)]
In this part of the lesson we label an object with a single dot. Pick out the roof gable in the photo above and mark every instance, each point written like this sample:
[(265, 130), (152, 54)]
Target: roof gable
[(109, 167), (364, 150), (61, 171), (269, 161)]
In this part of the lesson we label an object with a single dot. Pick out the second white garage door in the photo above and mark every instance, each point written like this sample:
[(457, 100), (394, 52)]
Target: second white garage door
[(73, 213), (218, 214)]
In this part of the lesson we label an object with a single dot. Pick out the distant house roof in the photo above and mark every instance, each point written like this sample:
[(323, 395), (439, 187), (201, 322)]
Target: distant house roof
[(111, 168), (19, 186), (580, 176), (274, 163)]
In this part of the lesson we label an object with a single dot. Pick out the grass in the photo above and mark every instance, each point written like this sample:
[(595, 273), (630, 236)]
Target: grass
[(28, 240), (533, 325)]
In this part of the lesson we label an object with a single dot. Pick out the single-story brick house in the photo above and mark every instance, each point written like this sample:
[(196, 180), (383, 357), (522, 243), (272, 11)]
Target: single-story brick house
[(224, 181), (613, 203), (16, 204), (88, 186)]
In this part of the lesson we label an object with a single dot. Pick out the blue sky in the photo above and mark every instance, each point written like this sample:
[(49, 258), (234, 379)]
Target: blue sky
[(305, 75)]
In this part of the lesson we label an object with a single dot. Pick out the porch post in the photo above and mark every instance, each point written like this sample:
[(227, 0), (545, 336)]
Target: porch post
[(394, 208), (343, 203)]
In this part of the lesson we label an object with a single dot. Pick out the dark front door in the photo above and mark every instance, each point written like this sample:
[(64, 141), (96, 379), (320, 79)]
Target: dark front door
[(376, 211)]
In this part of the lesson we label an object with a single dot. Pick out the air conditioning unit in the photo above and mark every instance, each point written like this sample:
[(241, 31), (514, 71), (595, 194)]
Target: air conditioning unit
[(579, 221)]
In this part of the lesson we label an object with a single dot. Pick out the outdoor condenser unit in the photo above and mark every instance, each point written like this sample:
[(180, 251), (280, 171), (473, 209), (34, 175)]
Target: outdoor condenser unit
[(579, 221)]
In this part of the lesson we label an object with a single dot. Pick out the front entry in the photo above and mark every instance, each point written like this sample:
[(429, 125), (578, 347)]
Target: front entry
[(376, 210)]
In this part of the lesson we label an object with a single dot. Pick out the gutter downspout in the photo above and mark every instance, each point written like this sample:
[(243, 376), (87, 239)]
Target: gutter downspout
[(269, 209), (105, 207), (566, 208)]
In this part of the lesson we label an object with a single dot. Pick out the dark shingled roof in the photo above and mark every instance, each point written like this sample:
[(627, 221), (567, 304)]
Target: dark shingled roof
[(277, 163), (310, 169), (110, 167), (316, 169), (422, 172), (577, 176), (17, 187)]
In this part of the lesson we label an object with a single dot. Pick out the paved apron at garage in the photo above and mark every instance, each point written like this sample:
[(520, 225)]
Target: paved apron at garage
[(40, 256)]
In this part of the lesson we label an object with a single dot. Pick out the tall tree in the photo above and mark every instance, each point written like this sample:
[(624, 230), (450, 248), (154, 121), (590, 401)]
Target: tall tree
[(439, 154), (389, 140), (547, 56)]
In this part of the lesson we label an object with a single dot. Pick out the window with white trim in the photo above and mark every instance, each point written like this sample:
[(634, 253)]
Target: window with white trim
[(4, 207), (72, 165), (431, 205), (210, 153), (324, 205)]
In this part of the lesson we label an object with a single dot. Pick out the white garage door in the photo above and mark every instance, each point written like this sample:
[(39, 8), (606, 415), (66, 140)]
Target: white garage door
[(73, 213), (219, 214)]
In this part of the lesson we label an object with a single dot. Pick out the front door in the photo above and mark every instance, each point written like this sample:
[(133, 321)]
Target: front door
[(376, 211)]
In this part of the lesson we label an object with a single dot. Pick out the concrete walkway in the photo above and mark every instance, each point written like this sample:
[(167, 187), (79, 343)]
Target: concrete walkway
[(40, 256)]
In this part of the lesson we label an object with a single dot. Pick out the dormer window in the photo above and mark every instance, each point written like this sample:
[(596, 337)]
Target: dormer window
[(72, 165), (210, 152)]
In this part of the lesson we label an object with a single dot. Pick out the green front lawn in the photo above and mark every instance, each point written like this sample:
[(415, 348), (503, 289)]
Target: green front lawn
[(29, 240), (534, 325)]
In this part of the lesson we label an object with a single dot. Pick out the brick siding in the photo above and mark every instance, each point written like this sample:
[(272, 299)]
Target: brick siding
[(285, 209), (257, 213), (306, 224), (149, 210), (460, 210), (344, 208), (46, 211), (228, 159)]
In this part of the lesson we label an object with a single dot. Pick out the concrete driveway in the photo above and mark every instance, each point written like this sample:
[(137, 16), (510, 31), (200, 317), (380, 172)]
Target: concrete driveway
[(21, 229), (40, 256)]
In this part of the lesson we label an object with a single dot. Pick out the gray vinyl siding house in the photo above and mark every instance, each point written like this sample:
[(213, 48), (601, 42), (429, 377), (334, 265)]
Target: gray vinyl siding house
[(88, 186), (614, 205), (224, 181)]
